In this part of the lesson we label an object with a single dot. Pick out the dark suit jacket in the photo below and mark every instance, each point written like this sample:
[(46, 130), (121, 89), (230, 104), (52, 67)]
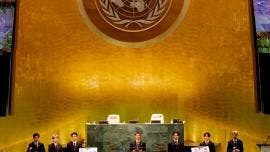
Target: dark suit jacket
[(175, 147), (53, 148), (133, 146), (211, 146), (32, 147), (238, 145), (71, 148)]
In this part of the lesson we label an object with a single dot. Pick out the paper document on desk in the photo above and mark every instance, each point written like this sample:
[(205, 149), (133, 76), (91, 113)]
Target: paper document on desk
[(90, 149), (200, 149)]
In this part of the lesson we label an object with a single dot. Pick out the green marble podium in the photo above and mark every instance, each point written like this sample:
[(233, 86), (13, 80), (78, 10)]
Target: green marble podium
[(117, 137), (264, 147)]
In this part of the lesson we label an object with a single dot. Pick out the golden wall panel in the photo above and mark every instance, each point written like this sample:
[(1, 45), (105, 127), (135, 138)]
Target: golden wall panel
[(66, 75)]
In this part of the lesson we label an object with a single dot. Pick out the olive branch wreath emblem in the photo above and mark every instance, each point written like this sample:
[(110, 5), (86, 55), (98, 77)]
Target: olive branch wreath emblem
[(114, 17)]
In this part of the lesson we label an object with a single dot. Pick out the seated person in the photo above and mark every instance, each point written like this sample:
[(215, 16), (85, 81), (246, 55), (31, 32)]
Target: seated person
[(235, 144), (207, 142), (55, 146), (176, 145), (137, 145), (36, 146)]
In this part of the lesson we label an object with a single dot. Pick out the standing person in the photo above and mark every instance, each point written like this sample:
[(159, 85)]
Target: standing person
[(36, 146), (137, 145), (74, 145), (175, 145), (55, 146), (208, 142), (235, 144)]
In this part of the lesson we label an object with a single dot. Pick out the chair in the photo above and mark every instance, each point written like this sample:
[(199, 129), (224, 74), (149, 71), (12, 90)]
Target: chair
[(157, 118), (113, 119)]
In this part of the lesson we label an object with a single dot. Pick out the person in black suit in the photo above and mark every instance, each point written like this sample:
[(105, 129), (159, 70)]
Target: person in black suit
[(74, 145), (176, 145), (55, 146), (208, 143), (235, 144), (137, 145), (36, 146)]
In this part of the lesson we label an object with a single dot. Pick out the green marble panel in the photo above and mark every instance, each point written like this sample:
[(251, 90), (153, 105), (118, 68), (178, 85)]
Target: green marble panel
[(117, 137)]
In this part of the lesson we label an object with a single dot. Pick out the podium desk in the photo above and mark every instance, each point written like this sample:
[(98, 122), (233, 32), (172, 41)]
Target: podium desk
[(117, 137), (264, 147)]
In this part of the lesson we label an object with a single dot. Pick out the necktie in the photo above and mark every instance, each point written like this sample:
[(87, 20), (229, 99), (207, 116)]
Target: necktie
[(235, 143)]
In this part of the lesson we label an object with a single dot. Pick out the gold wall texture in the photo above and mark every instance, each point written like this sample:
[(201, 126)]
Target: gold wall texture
[(66, 75)]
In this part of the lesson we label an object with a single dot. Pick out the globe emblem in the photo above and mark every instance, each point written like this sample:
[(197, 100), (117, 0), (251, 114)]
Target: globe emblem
[(133, 15), (133, 23)]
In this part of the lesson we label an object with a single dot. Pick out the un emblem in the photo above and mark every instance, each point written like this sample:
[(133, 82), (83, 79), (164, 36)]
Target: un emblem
[(133, 21)]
